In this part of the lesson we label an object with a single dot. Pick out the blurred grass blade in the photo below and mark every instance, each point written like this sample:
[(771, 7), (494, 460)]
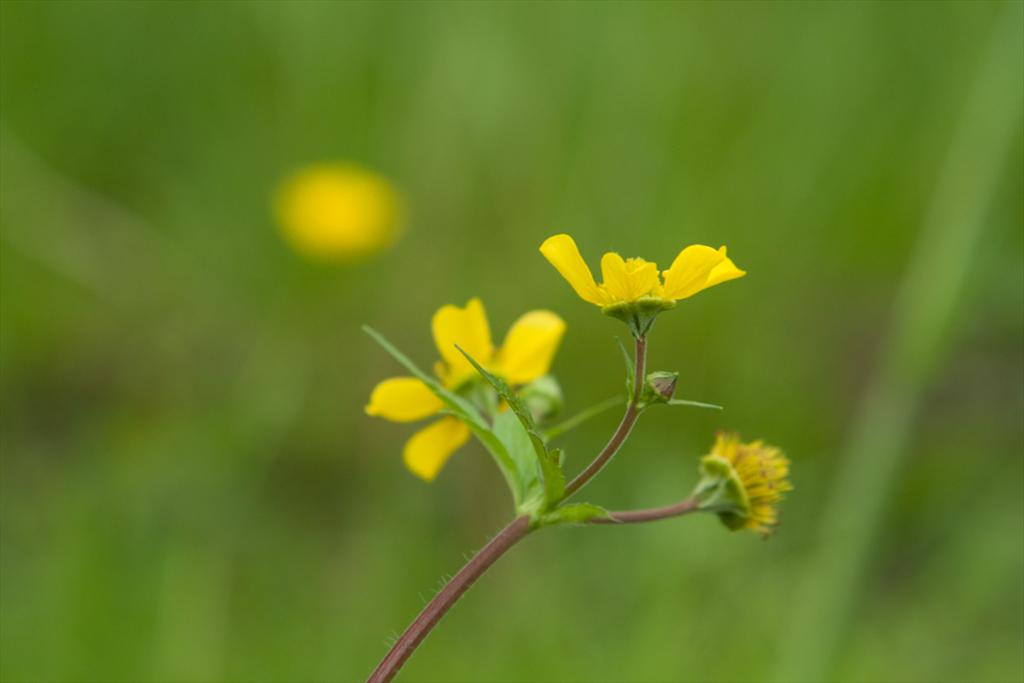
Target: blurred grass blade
[(582, 416), (951, 230)]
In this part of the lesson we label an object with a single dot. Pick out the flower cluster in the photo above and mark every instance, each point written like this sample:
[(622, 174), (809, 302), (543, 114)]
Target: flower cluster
[(475, 384), (491, 393)]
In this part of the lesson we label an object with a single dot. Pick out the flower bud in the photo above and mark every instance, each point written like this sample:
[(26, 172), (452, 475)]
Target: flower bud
[(543, 397), (661, 386), (743, 483)]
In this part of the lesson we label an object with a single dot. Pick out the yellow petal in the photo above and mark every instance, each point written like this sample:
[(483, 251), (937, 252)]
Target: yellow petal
[(723, 272), (338, 211), (643, 277), (630, 279), (402, 399), (428, 449), (562, 253), (616, 280), (468, 328), (529, 346), (696, 268)]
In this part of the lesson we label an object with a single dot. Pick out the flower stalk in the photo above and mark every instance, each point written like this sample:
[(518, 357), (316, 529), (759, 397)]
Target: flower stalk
[(650, 514), (625, 426)]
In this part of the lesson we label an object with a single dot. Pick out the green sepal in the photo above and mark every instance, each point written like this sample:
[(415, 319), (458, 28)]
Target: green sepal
[(465, 411), (660, 386), (574, 513), (552, 478), (720, 491), (639, 314)]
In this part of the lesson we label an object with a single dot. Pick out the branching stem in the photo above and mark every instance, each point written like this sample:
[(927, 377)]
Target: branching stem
[(624, 428), (519, 528)]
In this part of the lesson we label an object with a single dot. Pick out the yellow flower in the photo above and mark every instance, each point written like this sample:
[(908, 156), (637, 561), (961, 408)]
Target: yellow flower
[(338, 212), (525, 355), (744, 483), (633, 288)]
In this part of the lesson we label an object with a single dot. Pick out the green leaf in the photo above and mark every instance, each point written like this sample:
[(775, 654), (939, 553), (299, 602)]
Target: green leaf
[(696, 404), (576, 513), (551, 472), (554, 477), (519, 447), (467, 412)]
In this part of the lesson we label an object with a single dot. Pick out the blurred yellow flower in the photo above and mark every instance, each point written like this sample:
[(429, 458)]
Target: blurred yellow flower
[(635, 283), (338, 212), (749, 482), (524, 356)]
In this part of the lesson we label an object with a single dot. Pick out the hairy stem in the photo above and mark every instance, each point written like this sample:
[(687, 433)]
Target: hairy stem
[(649, 514), (446, 597), (625, 426), (519, 528)]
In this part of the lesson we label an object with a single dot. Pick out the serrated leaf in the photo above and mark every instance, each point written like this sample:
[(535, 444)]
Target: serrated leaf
[(554, 477), (576, 513), (695, 404), (551, 472), (520, 448), (467, 412)]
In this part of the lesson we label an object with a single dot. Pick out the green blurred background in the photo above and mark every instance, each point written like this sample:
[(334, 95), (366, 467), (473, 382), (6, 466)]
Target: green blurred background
[(190, 488)]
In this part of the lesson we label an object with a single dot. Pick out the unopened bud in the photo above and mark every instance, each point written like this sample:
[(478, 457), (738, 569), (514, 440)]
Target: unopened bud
[(662, 385)]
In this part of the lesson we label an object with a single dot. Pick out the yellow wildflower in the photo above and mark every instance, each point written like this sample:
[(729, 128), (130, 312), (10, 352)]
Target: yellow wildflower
[(744, 483), (524, 356), (633, 290), (338, 212)]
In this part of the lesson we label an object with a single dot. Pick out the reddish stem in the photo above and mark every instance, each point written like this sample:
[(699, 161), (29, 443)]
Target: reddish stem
[(446, 597), (624, 428), (648, 515), (518, 529)]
